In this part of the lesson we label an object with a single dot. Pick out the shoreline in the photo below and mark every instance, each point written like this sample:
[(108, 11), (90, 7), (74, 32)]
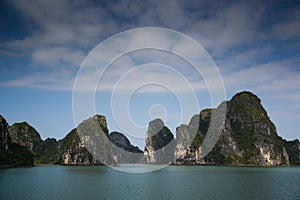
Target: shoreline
[(176, 165)]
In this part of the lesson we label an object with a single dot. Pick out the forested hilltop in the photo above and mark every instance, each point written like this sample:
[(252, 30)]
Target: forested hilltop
[(248, 137)]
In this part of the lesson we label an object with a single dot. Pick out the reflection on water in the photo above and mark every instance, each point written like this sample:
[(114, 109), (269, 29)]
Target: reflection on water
[(172, 182), (139, 168)]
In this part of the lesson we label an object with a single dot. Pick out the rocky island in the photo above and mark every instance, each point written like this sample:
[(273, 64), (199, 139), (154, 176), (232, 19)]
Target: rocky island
[(247, 137)]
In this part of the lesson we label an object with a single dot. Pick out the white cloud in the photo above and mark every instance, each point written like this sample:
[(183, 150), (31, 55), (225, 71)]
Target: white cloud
[(238, 35), (288, 28), (280, 77), (57, 56), (228, 25), (171, 14), (50, 81), (65, 32)]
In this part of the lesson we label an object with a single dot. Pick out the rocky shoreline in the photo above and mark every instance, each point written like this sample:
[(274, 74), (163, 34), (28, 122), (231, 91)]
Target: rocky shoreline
[(247, 137)]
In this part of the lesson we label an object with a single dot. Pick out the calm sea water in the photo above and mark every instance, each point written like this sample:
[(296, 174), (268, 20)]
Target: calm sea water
[(173, 182)]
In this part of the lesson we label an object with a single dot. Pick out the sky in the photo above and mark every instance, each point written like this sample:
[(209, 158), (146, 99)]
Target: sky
[(254, 45)]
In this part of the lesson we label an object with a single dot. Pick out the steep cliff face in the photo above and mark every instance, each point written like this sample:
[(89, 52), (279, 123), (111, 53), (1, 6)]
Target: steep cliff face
[(248, 137), (159, 143), (4, 134), (45, 152), (293, 151), (12, 154), (26, 136), (244, 135), (123, 151), (195, 140), (254, 133), (88, 143), (189, 139), (4, 141), (73, 151)]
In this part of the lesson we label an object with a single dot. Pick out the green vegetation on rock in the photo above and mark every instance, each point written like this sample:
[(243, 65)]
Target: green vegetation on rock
[(12, 154), (44, 152), (248, 137), (123, 150), (159, 146), (294, 155)]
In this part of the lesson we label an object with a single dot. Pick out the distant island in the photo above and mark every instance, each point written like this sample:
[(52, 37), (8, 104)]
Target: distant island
[(248, 137)]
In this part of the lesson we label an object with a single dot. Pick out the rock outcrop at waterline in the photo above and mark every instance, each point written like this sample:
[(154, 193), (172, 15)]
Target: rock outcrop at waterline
[(91, 144), (88, 144), (123, 151), (248, 137), (12, 154), (159, 147), (44, 152)]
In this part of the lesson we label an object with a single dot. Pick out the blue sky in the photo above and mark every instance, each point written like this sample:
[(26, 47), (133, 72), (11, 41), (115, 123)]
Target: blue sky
[(255, 45)]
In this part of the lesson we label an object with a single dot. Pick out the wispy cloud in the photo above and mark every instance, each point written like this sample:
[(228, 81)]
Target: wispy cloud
[(60, 80), (63, 32), (255, 45), (280, 77), (56, 57), (288, 28)]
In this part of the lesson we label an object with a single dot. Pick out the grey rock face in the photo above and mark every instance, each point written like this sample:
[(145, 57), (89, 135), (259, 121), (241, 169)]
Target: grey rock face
[(159, 147), (88, 143), (123, 151), (248, 137), (187, 152)]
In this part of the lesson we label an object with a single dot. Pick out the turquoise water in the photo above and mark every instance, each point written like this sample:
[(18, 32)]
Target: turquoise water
[(173, 182)]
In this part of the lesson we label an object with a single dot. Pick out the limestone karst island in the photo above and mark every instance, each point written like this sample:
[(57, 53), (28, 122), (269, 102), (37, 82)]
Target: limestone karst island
[(248, 137)]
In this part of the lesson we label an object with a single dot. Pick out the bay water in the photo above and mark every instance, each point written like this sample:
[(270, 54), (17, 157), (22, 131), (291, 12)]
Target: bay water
[(172, 182)]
